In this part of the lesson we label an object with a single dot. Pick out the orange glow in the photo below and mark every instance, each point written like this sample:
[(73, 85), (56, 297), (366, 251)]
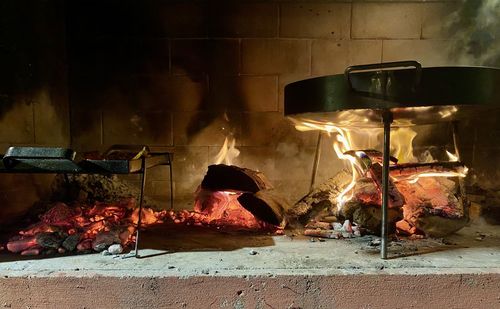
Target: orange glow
[(222, 209), (349, 139)]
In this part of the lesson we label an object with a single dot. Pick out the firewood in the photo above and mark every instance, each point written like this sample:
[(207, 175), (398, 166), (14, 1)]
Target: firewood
[(71, 242), (48, 240), (266, 205), (318, 225), (21, 244), (222, 177), (329, 219), (370, 217), (321, 200), (322, 233), (437, 226), (406, 170), (396, 199), (32, 251)]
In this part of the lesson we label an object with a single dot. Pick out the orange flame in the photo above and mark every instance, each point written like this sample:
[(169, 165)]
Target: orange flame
[(228, 152), (352, 139)]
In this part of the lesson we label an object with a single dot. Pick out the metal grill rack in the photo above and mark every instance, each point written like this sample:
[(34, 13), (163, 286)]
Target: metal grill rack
[(52, 160), (389, 95)]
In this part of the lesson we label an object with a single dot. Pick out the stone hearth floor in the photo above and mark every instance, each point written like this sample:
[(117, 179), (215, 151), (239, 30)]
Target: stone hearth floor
[(186, 251)]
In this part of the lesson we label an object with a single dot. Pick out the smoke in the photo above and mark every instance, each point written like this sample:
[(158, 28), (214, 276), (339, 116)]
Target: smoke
[(475, 28)]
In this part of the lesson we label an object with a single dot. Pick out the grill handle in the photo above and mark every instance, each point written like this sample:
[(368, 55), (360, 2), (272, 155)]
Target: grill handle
[(385, 65)]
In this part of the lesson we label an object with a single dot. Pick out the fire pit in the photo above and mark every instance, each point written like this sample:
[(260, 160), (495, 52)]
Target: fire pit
[(375, 95)]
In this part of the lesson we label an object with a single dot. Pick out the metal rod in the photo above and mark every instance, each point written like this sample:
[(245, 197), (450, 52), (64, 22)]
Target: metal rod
[(141, 198), (171, 182), (461, 183), (317, 156), (454, 126), (387, 119)]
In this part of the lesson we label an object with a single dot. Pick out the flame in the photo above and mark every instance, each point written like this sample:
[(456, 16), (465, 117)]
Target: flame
[(348, 139), (452, 157), (402, 144), (228, 151), (344, 142), (415, 178)]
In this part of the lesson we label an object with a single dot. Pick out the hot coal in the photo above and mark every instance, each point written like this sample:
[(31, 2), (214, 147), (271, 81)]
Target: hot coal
[(82, 227)]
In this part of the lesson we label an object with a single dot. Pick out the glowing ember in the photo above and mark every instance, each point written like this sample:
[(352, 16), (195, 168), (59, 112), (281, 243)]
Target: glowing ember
[(221, 209), (83, 227)]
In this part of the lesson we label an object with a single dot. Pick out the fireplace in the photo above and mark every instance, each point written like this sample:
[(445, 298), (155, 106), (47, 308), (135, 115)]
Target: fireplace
[(257, 211)]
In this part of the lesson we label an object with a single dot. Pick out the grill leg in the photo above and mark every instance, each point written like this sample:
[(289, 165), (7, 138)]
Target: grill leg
[(387, 119), (461, 183), (171, 182), (316, 160), (141, 198)]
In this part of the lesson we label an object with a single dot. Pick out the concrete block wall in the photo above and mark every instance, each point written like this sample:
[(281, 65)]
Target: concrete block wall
[(34, 108), (190, 73)]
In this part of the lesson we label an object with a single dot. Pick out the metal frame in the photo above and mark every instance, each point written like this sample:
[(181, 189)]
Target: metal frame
[(143, 174), (387, 120), (368, 96), (36, 160)]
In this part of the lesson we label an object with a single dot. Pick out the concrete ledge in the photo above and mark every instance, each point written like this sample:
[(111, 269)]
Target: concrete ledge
[(204, 269), (338, 291)]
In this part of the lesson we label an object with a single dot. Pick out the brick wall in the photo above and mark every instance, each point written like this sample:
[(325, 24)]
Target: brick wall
[(34, 108), (189, 73)]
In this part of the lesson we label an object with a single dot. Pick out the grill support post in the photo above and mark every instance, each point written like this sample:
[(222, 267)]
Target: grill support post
[(141, 198), (461, 183), (317, 155), (170, 167), (387, 118)]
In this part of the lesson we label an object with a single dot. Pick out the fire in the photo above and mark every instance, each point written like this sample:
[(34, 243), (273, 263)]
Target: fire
[(415, 178), (349, 140), (402, 144), (228, 152), (222, 209)]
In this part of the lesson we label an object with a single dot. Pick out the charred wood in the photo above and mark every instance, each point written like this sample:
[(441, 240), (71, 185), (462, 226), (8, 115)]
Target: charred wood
[(370, 217), (49, 240), (320, 202), (266, 205), (223, 177), (396, 199), (402, 171)]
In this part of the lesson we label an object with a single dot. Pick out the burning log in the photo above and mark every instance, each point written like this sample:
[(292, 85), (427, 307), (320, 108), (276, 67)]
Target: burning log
[(422, 201), (223, 177), (396, 199), (414, 170), (370, 217), (236, 198), (265, 205), (369, 157), (437, 226), (321, 202), (22, 244)]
